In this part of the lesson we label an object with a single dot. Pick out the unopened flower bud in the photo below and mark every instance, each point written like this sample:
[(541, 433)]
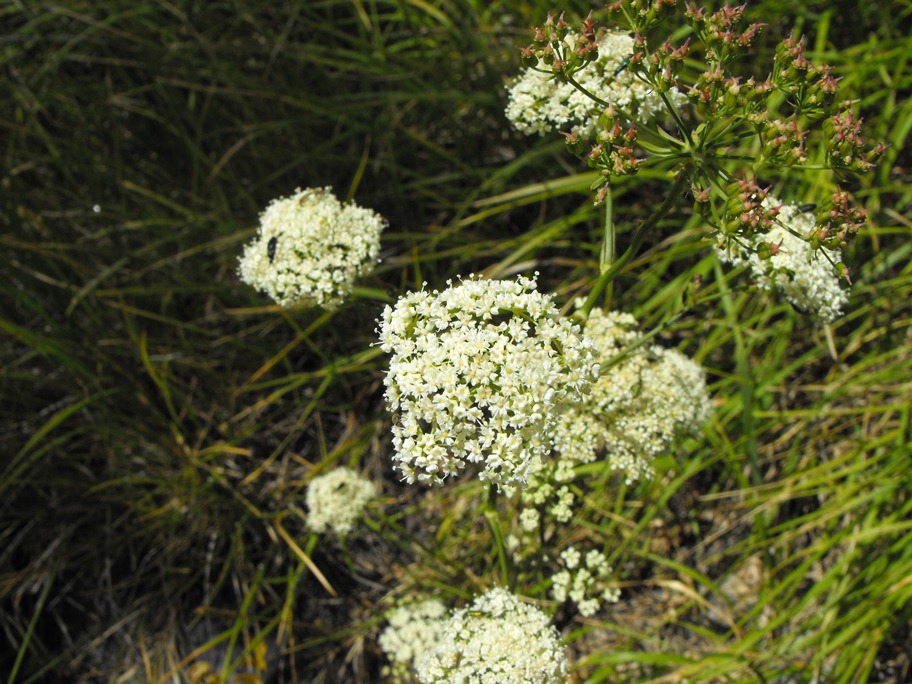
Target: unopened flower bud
[(574, 144), (528, 57), (843, 272)]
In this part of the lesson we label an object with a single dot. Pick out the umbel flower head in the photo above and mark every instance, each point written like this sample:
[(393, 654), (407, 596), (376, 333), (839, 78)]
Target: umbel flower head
[(781, 260), (582, 580), (497, 640), (311, 248), (645, 400), (538, 102), (413, 629), (336, 499), (476, 372)]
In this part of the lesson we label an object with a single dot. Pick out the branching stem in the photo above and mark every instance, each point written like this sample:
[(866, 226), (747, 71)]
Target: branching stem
[(639, 236)]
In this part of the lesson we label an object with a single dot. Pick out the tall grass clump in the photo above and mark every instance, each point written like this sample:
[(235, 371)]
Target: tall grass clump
[(368, 340)]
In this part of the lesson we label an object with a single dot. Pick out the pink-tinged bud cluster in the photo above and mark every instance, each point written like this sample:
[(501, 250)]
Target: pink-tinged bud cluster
[(586, 43), (641, 15), (810, 87), (768, 124), (701, 195), (573, 141), (614, 152), (783, 124), (715, 91), (662, 66), (550, 48), (703, 89), (541, 100), (845, 146), (754, 220), (745, 212), (784, 142), (723, 28), (837, 219), (791, 259)]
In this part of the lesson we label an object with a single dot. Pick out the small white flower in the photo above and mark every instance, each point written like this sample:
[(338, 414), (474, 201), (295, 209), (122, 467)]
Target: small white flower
[(335, 500), (560, 585), (310, 249), (562, 509), (412, 630), (476, 372), (571, 557), (807, 280), (529, 519), (583, 582), (539, 103), (497, 640), (639, 406)]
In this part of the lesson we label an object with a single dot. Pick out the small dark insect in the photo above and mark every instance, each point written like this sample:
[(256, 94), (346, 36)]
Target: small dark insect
[(805, 208), (623, 65), (271, 248)]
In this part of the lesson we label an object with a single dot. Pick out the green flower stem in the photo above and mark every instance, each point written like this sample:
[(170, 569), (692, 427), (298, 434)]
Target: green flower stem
[(641, 129), (606, 258), (592, 96), (682, 128), (608, 240), (639, 236)]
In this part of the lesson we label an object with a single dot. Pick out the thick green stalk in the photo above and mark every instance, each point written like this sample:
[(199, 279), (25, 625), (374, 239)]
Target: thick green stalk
[(639, 237), (608, 239), (682, 127)]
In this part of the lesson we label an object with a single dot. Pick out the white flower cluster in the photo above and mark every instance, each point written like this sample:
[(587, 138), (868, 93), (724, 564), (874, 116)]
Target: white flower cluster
[(413, 629), (497, 640), (583, 582), (538, 102), (548, 491), (310, 249), (335, 500), (476, 373), (642, 403), (808, 280)]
